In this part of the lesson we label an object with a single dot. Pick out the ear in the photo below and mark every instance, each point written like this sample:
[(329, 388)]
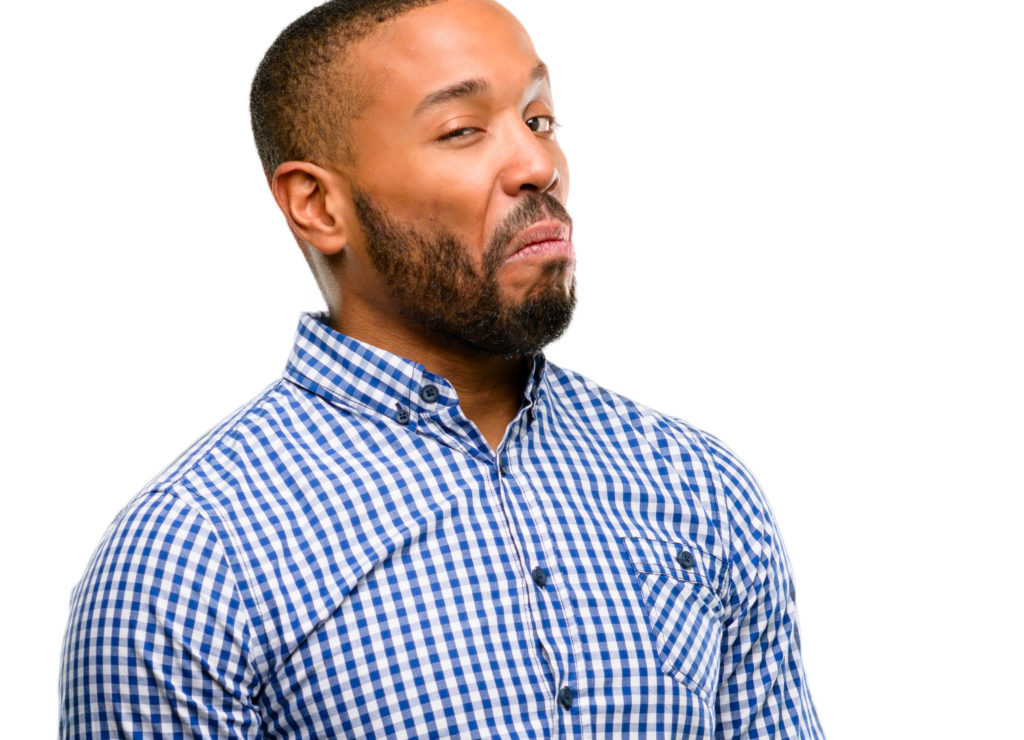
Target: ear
[(316, 202)]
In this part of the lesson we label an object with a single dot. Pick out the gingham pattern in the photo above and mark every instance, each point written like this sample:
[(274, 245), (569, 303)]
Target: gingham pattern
[(313, 568)]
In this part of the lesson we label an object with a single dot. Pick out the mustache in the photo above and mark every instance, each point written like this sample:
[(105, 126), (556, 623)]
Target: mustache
[(533, 208)]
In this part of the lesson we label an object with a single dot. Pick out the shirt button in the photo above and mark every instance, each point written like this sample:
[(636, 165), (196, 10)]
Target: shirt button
[(565, 697), (502, 466), (430, 393), (540, 577), (402, 416), (685, 558)]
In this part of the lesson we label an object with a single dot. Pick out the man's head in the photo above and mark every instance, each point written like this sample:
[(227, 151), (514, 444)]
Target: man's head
[(410, 144)]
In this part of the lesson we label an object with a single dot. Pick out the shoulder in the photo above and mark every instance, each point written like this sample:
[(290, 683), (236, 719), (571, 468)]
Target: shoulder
[(705, 457), (260, 412), (583, 396), (183, 533), (158, 606), (150, 539), (182, 517), (161, 566), (579, 395)]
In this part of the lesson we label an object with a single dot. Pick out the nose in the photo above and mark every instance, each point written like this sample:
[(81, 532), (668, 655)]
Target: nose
[(531, 163)]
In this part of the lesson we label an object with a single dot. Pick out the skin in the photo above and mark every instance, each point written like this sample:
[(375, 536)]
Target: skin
[(436, 152)]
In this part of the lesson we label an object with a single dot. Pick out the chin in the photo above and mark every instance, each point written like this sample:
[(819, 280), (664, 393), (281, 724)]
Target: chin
[(559, 280)]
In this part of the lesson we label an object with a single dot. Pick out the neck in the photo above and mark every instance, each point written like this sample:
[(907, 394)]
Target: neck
[(490, 388)]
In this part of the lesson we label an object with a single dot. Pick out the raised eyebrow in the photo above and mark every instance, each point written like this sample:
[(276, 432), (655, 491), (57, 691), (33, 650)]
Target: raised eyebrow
[(465, 89), (540, 73), (470, 89)]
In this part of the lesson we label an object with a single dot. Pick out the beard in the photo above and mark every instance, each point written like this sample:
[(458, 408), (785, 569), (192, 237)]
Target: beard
[(436, 286)]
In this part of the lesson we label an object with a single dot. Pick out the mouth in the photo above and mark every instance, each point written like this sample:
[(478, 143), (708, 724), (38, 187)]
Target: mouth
[(546, 239)]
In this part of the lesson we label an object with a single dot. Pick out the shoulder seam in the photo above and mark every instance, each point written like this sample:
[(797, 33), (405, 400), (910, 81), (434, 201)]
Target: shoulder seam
[(193, 502)]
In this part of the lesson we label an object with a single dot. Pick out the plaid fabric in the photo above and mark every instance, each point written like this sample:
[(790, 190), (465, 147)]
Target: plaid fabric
[(346, 557)]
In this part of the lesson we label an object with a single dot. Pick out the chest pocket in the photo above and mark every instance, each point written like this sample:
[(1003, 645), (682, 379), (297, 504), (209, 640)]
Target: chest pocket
[(681, 589)]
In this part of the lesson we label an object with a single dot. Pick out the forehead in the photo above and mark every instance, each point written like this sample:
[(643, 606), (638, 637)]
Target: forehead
[(443, 44)]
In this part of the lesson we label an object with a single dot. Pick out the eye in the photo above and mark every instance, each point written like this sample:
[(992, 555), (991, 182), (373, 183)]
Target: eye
[(541, 124), (458, 133)]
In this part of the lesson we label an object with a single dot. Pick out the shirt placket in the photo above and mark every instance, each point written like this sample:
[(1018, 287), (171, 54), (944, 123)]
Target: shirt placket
[(540, 565)]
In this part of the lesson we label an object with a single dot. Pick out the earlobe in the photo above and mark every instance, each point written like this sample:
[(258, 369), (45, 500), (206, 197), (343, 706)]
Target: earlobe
[(312, 200)]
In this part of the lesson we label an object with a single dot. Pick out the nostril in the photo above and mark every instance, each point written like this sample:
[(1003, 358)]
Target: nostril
[(552, 184)]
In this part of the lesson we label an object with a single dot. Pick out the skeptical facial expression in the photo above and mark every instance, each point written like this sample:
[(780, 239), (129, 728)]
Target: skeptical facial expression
[(458, 182)]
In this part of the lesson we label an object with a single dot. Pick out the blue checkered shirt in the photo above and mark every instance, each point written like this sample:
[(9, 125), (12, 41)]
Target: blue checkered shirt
[(346, 556)]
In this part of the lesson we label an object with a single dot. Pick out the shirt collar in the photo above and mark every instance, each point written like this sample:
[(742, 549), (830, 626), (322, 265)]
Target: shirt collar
[(346, 371)]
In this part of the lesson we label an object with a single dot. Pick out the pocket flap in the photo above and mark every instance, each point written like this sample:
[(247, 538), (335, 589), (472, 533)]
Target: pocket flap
[(681, 560)]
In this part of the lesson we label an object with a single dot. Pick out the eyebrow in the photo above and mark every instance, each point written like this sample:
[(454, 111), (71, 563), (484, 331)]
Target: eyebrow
[(474, 88)]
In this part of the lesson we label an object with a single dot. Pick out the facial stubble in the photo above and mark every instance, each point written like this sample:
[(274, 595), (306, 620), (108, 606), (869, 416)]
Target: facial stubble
[(436, 286)]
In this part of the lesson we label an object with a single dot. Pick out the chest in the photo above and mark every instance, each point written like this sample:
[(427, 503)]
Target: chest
[(538, 595)]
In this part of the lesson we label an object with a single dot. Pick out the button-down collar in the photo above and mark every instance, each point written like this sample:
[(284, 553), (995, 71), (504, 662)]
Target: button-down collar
[(349, 373)]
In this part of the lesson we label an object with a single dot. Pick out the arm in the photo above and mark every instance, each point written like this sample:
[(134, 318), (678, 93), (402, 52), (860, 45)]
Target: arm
[(157, 644), (763, 692)]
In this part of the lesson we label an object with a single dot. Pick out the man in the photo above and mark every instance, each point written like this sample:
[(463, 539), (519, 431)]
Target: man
[(425, 529)]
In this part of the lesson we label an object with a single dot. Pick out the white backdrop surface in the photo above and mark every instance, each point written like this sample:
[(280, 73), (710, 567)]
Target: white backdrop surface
[(799, 226)]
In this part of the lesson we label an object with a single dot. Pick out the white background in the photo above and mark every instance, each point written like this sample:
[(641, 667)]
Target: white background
[(799, 226)]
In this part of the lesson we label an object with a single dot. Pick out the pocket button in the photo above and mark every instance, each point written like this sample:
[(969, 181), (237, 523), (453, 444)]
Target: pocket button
[(685, 558)]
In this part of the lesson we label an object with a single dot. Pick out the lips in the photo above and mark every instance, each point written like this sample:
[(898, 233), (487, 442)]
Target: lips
[(547, 238)]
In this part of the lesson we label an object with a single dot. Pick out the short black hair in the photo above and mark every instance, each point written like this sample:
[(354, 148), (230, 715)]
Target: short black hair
[(301, 101)]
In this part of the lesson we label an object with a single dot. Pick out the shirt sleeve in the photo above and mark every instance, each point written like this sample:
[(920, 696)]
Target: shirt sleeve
[(158, 639), (763, 691)]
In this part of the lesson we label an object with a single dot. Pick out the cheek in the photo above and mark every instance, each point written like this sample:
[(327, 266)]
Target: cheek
[(453, 194), (451, 207), (437, 188)]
